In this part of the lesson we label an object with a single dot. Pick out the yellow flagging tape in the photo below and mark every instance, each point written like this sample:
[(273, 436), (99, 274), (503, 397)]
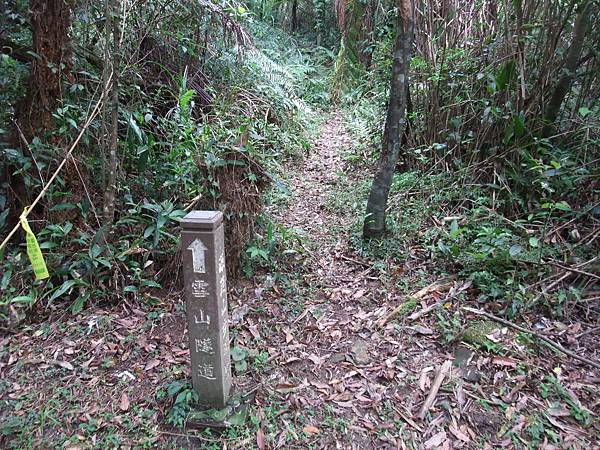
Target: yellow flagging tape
[(33, 250)]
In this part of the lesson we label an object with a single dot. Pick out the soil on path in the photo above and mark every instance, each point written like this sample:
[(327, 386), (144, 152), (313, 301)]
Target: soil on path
[(311, 183), (342, 378)]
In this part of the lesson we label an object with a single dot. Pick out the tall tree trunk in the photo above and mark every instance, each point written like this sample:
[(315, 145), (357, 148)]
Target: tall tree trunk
[(50, 24), (568, 71), (111, 112), (374, 224)]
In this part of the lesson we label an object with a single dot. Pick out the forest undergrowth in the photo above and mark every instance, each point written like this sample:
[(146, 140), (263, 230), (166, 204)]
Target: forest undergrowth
[(471, 322)]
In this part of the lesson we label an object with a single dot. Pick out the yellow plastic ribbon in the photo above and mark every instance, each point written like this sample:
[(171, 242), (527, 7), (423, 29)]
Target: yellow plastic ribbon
[(33, 250)]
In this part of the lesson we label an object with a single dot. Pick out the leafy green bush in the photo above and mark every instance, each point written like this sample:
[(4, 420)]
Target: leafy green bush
[(172, 148)]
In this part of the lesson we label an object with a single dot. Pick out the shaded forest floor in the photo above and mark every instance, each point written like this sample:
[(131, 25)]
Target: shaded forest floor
[(321, 369)]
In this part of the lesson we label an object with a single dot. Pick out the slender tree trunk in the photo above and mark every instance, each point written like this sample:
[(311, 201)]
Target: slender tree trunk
[(112, 112), (294, 15), (568, 71), (319, 17), (374, 224), (368, 39), (348, 65)]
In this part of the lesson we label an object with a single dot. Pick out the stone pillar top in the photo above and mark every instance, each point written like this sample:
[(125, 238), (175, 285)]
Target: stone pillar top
[(202, 220)]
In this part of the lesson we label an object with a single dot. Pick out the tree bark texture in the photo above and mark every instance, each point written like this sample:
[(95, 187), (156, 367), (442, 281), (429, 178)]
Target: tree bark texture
[(50, 23), (374, 224), (563, 86), (111, 112)]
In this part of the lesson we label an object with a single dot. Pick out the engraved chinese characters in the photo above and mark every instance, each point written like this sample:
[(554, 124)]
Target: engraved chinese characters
[(206, 303)]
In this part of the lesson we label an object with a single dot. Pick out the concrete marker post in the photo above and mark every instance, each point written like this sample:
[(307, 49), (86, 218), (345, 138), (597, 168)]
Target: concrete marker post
[(205, 279)]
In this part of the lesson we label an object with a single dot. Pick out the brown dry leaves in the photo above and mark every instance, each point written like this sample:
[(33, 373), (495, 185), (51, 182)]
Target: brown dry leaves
[(327, 354)]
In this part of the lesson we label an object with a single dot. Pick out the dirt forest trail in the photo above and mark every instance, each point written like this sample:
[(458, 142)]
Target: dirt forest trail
[(340, 378), (196, 186), (331, 361), (311, 185)]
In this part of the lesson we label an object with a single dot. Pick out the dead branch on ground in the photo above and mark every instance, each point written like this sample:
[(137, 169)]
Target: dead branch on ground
[(550, 342), (435, 387), (440, 285)]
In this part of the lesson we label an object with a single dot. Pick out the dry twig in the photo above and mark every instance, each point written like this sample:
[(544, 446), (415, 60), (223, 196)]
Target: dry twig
[(435, 387), (550, 287), (573, 269)]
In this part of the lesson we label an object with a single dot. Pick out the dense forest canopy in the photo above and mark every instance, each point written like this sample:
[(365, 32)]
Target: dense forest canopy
[(413, 141)]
